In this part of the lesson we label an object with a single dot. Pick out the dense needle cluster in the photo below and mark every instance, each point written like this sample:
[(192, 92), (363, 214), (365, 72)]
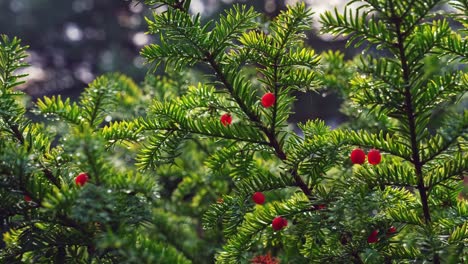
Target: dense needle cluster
[(155, 173)]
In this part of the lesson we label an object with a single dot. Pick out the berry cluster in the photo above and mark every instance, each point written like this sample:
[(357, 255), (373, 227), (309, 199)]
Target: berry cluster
[(264, 259), (374, 236), (278, 222), (358, 156), (268, 100)]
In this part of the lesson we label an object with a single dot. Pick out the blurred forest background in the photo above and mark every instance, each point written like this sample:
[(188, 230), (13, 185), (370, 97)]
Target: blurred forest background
[(73, 41)]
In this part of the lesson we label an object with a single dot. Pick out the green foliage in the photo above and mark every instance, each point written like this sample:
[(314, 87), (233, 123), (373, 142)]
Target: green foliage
[(170, 183), (256, 221), (392, 85), (44, 216)]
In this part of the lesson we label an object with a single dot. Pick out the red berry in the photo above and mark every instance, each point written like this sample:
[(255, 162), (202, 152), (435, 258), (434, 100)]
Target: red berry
[(27, 198), (81, 179), (278, 223), (226, 119), (258, 198), (358, 156), (268, 100), (374, 157), (264, 259), (373, 237), (392, 230), (320, 206)]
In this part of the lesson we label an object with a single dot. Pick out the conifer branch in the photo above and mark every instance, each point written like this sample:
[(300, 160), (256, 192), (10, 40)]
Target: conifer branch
[(276, 65), (210, 58), (47, 173), (96, 107), (50, 176), (179, 5), (446, 146), (273, 141), (150, 126), (384, 200), (410, 114), (276, 89), (421, 16), (65, 220), (356, 258), (17, 133)]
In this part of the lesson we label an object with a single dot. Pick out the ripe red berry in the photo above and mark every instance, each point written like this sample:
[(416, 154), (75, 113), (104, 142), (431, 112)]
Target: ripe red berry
[(391, 230), (285, 222), (27, 198), (81, 179), (264, 259), (268, 100), (358, 156), (258, 198), (226, 119), (374, 157), (373, 237), (320, 206), (279, 223)]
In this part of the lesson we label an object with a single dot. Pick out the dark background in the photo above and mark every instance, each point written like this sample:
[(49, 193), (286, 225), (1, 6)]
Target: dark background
[(73, 41)]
